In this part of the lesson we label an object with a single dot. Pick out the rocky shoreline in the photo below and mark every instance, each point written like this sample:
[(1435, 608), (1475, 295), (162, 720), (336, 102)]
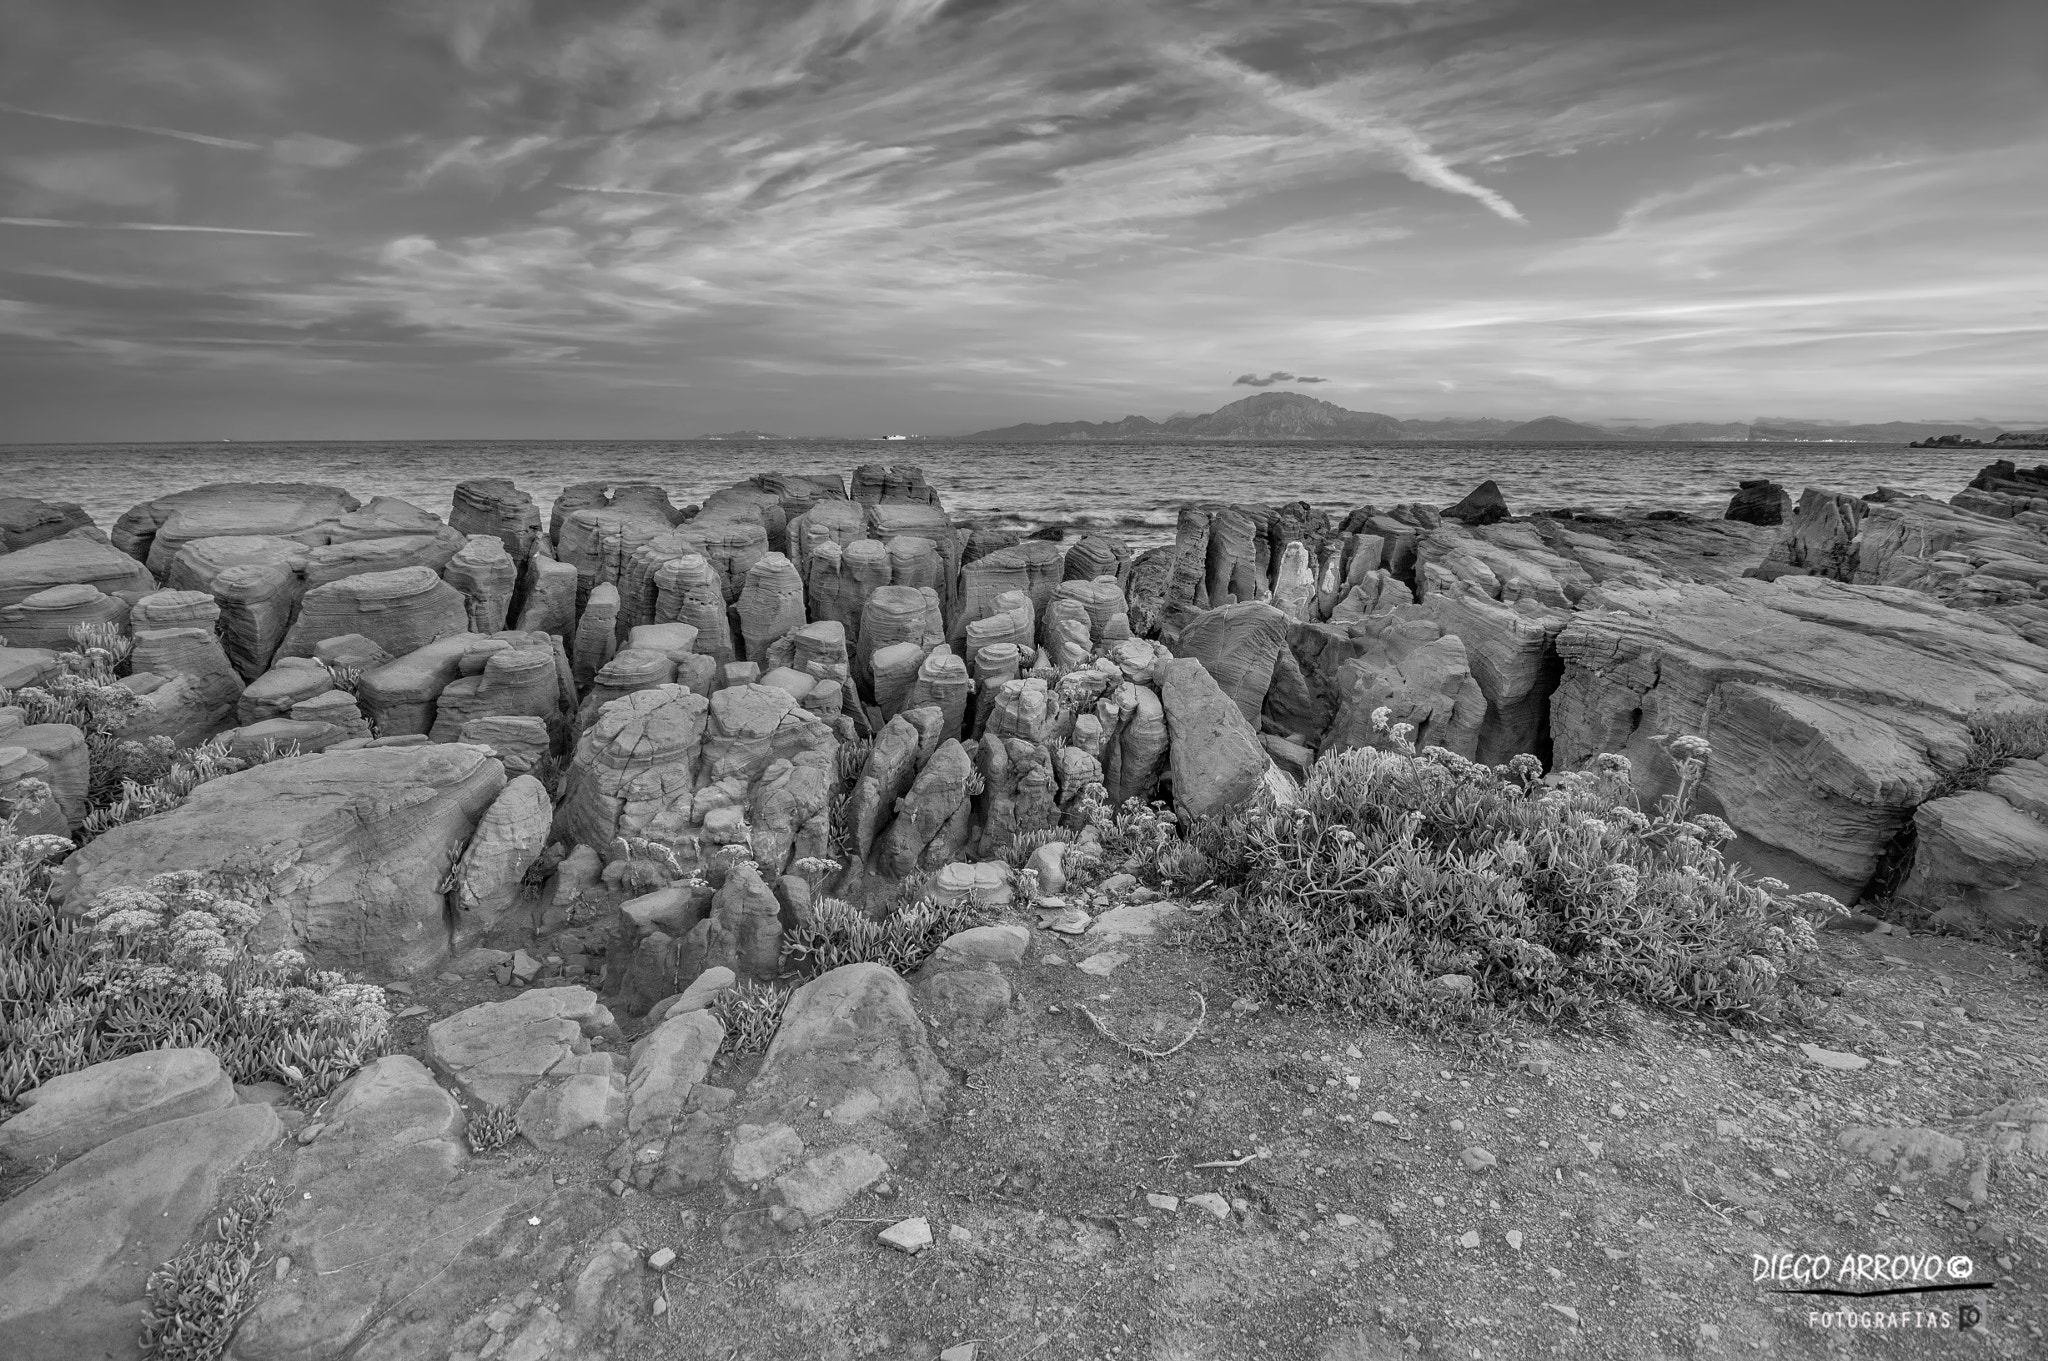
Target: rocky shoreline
[(614, 752)]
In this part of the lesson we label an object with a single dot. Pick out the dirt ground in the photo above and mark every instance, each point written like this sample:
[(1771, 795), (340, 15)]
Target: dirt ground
[(1635, 1178)]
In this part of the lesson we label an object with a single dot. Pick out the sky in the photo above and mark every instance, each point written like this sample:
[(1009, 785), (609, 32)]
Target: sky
[(352, 219)]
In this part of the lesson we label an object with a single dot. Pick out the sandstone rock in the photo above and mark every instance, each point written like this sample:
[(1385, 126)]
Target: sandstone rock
[(977, 946), (597, 633), (971, 1012), (399, 697), (76, 1112), (849, 1065), (509, 837), (258, 581), (689, 592), (671, 1060), (1483, 505), (67, 765), (1760, 501), (1979, 861), (347, 848), (1406, 662), (771, 604), (550, 598), (521, 680), (47, 618), (498, 1052), (392, 1211), (1239, 645), (1216, 758), (932, 820), (1833, 710), (77, 1247), (1032, 569), (893, 615), (635, 770), (492, 505), (746, 926), (71, 562), (17, 765), (486, 574), (155, 531), (987, 882), (1018, 793), (520, 743), (26, 521), (400, 611)]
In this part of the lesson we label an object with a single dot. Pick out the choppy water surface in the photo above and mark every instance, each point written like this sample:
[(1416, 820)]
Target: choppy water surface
[(1132, 487)]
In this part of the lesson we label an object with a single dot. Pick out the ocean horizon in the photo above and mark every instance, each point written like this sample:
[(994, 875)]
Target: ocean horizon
[(1134, 487)]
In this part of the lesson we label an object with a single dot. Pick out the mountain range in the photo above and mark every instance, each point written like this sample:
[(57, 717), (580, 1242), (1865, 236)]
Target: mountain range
[(1295, 415)]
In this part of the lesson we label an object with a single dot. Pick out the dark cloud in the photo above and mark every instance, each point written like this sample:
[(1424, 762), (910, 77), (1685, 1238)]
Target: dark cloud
[(1253, 380)]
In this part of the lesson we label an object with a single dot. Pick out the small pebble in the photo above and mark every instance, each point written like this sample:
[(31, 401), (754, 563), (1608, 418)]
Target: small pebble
[(1211, 1202), (1469, 1239), (1159, 1202), (1383, 1118), (660, 1258), (909, 1235), (1514, 1237)]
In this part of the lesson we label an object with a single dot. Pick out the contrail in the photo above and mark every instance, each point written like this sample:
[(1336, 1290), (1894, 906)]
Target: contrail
[(201, 138), (139, 226), (1414, 156)]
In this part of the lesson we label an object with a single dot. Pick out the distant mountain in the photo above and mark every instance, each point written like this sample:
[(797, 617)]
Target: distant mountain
[(1268, 415), (1557, 428), (1295, 415), (1455, 427), (1889, 432)]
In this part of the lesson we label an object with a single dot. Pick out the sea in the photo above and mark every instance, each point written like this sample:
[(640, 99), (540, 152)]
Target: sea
[(1132, 488)]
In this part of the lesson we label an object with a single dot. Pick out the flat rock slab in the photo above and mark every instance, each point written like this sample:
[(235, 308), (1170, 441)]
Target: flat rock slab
[(1134, 921), (388, 1201), (1833, 1058), (76, 1249), (497, 1052), (77, 1112)]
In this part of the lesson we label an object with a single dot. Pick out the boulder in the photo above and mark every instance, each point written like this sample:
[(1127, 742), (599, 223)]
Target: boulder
[(71, 562), (486, 574), (47, 618), (258, 581), (635, 771), (156, 531), (1483, 505), (492, 505), (77, 1247), (550, 598), (394, 1222), (1980, 860), (1760, 501), (1239, 645), (771, 604), (399, 697), (509, 837), (26, 521), (74, 1113), (932, 820), (745, 926), (1833, 710), (597, 633), (499, 1052), (1217, 762), (400, 611), (344, 851)]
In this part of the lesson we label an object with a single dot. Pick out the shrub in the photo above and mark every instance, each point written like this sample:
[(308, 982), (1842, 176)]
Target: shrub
[(175, 968), (156, 777), (835, 933), (1397, 869), (86, 694), (1996, 741), (198, 1298), (491, 1128), (49, 1013), (750, 1012)]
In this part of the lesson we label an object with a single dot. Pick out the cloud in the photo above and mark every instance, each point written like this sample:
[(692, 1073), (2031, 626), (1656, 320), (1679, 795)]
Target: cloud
[(198, 138), (1413, 156), (1253, 380), (65, 180), (314, 152), (139, 227)]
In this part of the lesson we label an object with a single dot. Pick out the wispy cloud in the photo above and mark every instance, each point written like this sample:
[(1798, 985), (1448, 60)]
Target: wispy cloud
[(139, 227), (1253, 379), (178, 134)]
